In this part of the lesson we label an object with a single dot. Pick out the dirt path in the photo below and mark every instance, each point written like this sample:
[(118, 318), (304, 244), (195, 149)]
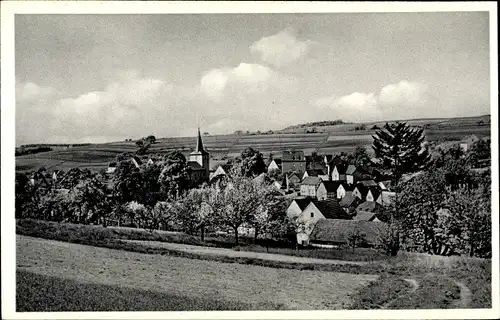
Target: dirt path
[(295, 289), (242, 254), (465, 296), (414, 286)]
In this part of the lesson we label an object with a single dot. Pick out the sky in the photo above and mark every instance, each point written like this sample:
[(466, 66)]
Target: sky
[(101, 78)]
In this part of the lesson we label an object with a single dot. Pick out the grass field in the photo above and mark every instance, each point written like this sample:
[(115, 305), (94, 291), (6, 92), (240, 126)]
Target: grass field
[(329, 139), (437, 277), (255, 286)]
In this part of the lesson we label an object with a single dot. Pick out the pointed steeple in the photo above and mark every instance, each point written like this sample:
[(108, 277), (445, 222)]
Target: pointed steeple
[(199, 143)]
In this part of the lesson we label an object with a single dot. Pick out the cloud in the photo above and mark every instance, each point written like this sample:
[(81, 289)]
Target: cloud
[(129, 106), (394, 101), (246, 78), (281, 49), (29, 92)]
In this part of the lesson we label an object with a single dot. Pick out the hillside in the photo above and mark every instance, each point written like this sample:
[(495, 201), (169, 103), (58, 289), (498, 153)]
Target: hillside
[(328, 139)]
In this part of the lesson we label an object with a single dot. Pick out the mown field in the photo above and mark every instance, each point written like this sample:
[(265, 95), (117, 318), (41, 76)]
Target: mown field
[(334, 139), (107, 264)]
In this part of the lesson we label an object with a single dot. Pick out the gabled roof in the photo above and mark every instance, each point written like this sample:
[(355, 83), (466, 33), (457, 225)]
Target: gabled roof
[(315, 172), (311, 181), (277, 161), (350, 169), (364, 216), (470, 138), (302, 202), (338, 231), (330, 209), (335, 160), (341, 168), (386, 183), (328, 157), (347, 187), (369, 206), (368, 183), (349, 200), (331, 186)]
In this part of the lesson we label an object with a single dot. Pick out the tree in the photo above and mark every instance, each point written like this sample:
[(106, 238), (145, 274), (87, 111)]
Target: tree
[(361, 157), (479, 152), (252, 162), (235, 204), (401, 148), (356, 238), (195, 210), (174, 177), (143, 146), (151, 139)]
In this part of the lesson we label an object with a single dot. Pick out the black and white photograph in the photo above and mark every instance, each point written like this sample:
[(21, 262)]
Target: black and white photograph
[(272, 163)]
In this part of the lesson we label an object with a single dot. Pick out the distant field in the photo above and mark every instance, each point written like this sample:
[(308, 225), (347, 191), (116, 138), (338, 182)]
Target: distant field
[(331, 139)]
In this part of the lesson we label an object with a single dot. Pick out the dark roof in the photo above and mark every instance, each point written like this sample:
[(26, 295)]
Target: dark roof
[(331, 209), (350, 169), (375, 192), (194, 165), (331, 186), (277, 161), (315, 172), (387, 184), (338, 231), (329, 157), (349, 200), (311, 181), (347, 187), (137, 159), (335, 160), (368, 183), (302, 202), (199, 145), (369, 206), (341, 168), (364, 215)]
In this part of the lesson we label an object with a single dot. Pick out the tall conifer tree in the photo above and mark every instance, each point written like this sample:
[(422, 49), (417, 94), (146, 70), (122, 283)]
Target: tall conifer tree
[(401, 148)]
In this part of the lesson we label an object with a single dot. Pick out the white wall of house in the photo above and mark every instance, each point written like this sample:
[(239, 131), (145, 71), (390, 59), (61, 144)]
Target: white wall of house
[(341, 192), (335, 174), (308, 217), (349, 178), (322, 194), (387, 197), (273, 166), (308, 190), (293, 210), (369, 196), (324, 177), (218, 172), (357, 193)]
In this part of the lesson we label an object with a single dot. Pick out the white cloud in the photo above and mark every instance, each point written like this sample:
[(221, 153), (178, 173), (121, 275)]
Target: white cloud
[(29, 92), (281, 49), (395, 101), (245, 78)]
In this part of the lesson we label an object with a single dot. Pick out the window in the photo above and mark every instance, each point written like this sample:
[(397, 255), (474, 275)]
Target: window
[(312, 214)]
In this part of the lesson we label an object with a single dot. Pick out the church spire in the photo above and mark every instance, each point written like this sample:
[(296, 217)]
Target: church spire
[(199, 143)]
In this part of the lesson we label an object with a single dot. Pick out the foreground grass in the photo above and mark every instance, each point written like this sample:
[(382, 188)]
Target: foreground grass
[(90, 234), (436, 292), (43, 293)]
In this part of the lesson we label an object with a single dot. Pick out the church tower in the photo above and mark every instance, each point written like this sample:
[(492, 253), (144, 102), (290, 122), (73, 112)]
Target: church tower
[(202, 157)]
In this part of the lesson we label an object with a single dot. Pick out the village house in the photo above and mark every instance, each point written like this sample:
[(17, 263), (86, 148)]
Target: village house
[(297, 206), (222, 169), (355, 174), (386, 197), (369, 206), (331, 161), (275, 164), (336, 232), (309, 186), (136, 161), (293, 161), (349, 203), (292, 181), (315, 173), (315, 211), (385, 185), (366, 216), (327, 190), (468, 141), (199, 163), (343, 189), (339, 172), (366, 190)]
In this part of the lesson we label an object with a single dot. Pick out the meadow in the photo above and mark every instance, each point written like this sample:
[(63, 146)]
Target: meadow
[(408, 281), (329, 140)]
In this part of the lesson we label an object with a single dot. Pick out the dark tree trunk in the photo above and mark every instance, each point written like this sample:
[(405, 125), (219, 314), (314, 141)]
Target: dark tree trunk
[(256, 233), (202, 233), (236, 239)]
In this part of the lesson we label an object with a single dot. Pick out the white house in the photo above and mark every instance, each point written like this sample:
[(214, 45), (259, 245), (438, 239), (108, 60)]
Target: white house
[(466, 143), (343, 189), (338, 172), (274, 165), (111, 167), (309, 186)]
